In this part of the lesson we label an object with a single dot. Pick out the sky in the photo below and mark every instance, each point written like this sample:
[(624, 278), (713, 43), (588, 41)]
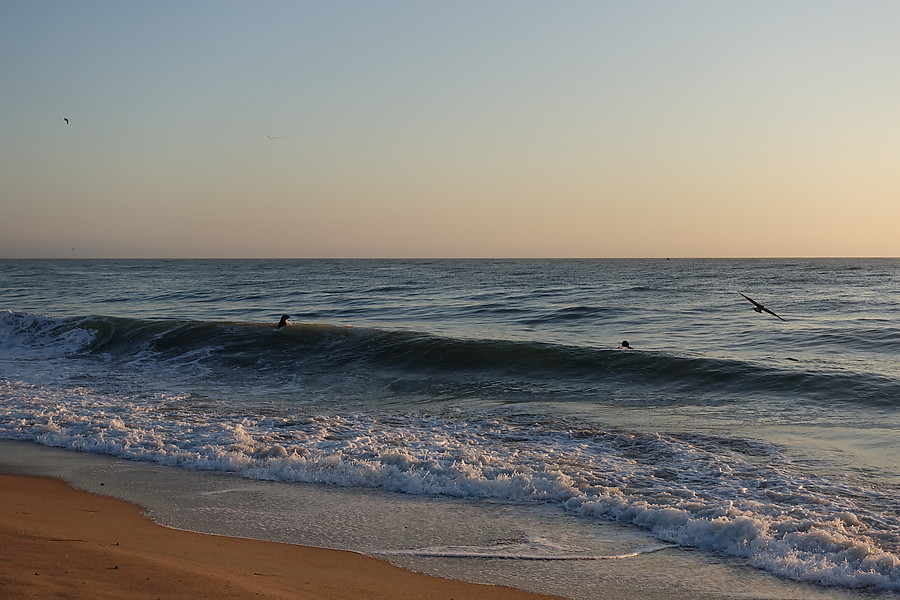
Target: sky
[(507, 128)]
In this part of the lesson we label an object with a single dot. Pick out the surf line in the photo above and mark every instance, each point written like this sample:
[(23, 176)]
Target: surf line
[(433, 553)]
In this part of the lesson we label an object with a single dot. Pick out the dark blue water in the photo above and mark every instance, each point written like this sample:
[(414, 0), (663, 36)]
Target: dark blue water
[(771, 441)]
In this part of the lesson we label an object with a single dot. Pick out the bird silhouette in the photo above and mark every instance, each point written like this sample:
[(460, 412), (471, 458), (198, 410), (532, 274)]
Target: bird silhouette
[(759, 307), (66, 119)]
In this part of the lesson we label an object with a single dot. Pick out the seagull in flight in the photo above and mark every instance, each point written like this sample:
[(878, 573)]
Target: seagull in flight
[(759, 307), (66, 119)]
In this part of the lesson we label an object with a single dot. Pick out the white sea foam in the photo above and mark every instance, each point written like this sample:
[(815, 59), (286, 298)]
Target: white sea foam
[(538, 550), (25, 336), (686, 493)]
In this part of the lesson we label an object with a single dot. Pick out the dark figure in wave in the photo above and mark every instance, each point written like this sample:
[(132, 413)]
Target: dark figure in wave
[(283, 321), (625, 345)]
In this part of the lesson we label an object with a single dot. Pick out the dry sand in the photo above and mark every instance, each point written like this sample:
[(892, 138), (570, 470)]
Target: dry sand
[(58, 542)]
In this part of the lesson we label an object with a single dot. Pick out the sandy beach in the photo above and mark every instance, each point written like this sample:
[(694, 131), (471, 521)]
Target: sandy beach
[(59, 542)]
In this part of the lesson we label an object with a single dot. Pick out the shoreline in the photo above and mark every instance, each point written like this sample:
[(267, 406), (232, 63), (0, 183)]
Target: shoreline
[(335, 535), (76, 544)]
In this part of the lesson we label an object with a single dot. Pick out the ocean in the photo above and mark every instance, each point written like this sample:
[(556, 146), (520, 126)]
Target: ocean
[(486, 385)]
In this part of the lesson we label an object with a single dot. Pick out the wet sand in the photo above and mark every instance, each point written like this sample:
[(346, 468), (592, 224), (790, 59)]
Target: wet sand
[(59, 542)]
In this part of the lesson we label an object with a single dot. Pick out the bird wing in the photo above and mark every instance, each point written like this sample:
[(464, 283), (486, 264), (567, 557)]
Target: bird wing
[(770, 312), (755, 303)]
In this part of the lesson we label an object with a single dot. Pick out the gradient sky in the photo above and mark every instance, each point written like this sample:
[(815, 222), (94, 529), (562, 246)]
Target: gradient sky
[(449, 129)]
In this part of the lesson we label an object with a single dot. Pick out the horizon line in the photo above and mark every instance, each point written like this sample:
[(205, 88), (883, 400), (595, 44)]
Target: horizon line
[(795, 257)]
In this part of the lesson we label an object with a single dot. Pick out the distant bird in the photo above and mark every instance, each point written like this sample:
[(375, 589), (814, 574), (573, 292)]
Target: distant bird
[(283, 321), (759, 307), (66, 119), (625, 345)]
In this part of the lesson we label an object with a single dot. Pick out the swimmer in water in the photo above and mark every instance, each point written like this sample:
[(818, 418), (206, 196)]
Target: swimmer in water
[(283, 321), (625, 345)]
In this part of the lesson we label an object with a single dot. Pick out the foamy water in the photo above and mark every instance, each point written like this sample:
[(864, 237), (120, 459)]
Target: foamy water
[(697, 440)]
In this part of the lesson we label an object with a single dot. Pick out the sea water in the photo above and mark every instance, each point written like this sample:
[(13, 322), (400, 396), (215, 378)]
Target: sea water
[(493, 390)]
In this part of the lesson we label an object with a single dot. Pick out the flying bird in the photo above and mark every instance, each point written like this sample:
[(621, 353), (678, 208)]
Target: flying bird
[(66, 119), (759, 307)]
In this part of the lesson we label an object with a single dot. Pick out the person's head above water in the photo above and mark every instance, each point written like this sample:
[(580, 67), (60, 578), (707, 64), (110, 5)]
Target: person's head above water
[(283, 321), (625, 345)]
